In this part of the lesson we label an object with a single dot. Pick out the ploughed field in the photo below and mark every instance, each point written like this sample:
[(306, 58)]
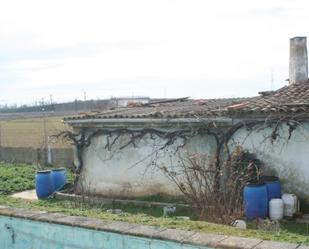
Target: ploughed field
[(30, 132)]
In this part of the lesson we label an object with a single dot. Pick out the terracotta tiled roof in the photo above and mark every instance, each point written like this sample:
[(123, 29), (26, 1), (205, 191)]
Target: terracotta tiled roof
[(179, 108), (288, 100)]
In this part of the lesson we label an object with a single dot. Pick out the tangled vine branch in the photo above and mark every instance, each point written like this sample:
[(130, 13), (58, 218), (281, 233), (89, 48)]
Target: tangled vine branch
[(83, 139), (222, 136)]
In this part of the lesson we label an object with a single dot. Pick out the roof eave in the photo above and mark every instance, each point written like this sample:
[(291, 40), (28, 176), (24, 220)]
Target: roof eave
[(142, 122)]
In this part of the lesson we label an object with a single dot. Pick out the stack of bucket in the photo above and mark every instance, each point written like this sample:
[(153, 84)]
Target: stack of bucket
[(264, 198), (49, 181)]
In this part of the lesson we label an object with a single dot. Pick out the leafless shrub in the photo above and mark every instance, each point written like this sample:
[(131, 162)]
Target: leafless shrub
[(215, 193), (86, 197)]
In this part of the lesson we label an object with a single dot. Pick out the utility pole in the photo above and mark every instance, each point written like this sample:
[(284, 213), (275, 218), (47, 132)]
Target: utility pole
[(51, 99), (85, 107)]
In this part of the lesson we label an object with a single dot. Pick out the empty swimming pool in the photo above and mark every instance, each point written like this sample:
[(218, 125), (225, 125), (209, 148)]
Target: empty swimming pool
[(24, 233)]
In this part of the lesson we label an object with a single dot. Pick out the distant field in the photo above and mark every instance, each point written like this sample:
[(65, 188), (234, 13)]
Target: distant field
[(29, 132)]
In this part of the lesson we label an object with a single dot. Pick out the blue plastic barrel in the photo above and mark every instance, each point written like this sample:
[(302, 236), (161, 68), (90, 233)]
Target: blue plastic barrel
[(273, 186), (44, 186), (255, 201), (59, 178)]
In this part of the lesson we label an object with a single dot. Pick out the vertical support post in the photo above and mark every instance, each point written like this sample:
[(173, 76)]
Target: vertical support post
[(49, 152), (44, 138)]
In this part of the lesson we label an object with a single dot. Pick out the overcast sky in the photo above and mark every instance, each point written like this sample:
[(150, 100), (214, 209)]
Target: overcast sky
[(158, 48)]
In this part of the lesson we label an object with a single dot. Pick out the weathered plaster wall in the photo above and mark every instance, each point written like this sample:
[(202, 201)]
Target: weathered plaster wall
[(288, 159), (115, 172), (118, 173)]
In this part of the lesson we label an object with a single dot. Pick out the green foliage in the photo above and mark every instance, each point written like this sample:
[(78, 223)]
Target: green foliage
[(16, 177)]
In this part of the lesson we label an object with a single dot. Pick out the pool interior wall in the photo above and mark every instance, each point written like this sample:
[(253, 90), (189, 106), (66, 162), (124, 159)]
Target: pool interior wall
[(21, 233)]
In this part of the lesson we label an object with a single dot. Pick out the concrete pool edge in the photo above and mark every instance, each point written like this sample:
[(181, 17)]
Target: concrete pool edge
[(176, 235)]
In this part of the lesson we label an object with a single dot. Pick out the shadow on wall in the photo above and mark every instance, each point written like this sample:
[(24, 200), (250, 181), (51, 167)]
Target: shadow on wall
[(283, 157)]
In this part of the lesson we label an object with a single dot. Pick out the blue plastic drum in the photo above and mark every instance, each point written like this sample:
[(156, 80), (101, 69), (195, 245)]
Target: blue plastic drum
[(273, 187), (255, 201), (59, 178), (44, 186)]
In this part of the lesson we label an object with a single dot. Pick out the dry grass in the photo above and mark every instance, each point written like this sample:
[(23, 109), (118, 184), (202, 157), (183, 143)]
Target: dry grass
[(30, 132)]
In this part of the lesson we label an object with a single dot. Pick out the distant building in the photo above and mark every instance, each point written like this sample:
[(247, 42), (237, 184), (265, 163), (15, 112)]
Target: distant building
[(127, 101)]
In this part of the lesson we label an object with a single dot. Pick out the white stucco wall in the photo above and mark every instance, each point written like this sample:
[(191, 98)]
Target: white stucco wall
[(287, 159), (116, 172)]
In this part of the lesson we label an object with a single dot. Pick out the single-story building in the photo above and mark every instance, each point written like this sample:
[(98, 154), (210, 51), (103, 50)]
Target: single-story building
[(117, 151)]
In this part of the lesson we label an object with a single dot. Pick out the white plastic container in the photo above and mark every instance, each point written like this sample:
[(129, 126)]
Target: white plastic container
[(240, 224), (290, 202), (276, 209)]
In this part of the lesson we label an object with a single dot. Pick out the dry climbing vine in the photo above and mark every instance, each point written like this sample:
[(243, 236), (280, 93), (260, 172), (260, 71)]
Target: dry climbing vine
[(82, 139), (222, 136)]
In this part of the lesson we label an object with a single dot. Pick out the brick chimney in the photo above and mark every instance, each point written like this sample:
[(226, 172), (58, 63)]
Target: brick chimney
[(298, 60)]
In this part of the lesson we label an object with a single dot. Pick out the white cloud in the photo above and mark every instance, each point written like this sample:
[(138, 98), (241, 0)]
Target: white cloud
[(175, 47)]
